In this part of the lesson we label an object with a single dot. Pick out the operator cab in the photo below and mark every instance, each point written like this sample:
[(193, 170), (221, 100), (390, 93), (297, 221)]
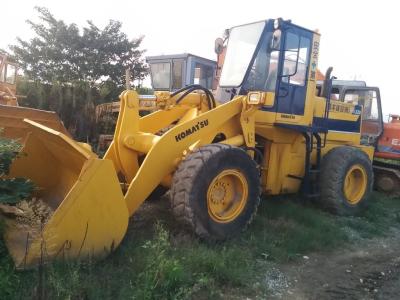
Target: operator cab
[(279, 59), (173, 72), (272, 56)]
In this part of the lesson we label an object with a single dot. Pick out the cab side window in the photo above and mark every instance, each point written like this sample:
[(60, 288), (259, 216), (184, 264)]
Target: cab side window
[(203, 75), (368, 100), (10, 74), (161, 74), (296, 58), (177, 74)]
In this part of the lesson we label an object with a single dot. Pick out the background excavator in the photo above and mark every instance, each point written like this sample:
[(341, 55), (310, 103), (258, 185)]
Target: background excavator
[(387, 162), (273, 134)]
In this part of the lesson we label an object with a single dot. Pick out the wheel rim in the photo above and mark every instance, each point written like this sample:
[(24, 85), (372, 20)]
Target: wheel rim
[(227, 196), (355, 184)]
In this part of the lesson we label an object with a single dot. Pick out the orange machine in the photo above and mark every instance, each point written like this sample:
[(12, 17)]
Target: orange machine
[(387, 171), (389, 142)]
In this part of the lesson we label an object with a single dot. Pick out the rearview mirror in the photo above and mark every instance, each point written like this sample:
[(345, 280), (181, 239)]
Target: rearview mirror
[(219, 45)]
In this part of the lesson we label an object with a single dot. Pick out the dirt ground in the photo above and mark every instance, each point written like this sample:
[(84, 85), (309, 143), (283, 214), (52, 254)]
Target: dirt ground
[(368, 270)]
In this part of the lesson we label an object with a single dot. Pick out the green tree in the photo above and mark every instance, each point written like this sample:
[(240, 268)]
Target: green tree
[(70, 70), (60, 52)]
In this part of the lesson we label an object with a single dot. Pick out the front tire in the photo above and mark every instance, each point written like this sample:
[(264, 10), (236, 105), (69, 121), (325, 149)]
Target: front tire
[(216, 191), (346, 180), (157, 194)]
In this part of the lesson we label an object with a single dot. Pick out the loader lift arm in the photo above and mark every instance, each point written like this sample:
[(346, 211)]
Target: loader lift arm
[(163, 153), (90, 209)]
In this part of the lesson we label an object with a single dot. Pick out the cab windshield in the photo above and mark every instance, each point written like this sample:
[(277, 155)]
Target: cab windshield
[(242, 44)]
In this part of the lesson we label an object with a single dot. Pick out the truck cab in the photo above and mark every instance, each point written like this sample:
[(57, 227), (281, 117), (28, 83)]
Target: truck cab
[(173, 72)]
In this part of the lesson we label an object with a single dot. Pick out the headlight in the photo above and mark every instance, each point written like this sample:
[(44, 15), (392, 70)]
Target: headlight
[(254, 98)]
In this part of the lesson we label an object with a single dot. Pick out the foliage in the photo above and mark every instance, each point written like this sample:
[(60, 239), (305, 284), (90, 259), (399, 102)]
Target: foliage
[(144, 91), (165, 262), (70, 70), (8, 151), (75, 104), (388, 161), (12, 190), (164, 276), (15, 190), (61, 53), (8, 277)]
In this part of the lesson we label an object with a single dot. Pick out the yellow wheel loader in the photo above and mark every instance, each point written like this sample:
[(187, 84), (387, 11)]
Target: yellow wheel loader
[(272, 135)]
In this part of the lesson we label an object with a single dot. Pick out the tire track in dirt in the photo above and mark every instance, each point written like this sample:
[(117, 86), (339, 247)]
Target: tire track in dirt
[(367, 270)]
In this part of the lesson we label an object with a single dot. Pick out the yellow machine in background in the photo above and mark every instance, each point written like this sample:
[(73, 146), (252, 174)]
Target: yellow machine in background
[(12, 115), (273, 135), (8, 79)]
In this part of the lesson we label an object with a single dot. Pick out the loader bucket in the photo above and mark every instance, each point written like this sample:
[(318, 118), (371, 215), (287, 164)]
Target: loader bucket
[(13, 125), (89, 216)]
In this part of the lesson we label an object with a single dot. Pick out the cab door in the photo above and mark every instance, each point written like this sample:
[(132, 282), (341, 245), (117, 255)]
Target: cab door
[(294, 66)]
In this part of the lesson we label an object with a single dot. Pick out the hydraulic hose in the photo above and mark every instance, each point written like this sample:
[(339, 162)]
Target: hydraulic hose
[(190, 88)]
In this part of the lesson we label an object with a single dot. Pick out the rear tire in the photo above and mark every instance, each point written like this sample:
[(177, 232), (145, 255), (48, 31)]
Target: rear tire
[(346, 180), (216, 191)]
